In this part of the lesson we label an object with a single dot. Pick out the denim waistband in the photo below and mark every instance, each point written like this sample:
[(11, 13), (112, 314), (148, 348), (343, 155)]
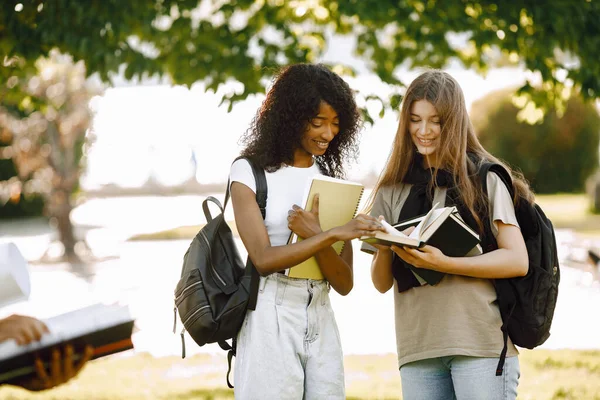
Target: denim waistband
[(297, 282), (281, 288)]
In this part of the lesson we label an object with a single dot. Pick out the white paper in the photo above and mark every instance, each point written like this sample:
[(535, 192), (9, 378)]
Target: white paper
[(14, 275)]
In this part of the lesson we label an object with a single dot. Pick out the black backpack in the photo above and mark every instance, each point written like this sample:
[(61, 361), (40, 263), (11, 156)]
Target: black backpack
[(215, 289), (526, 303)]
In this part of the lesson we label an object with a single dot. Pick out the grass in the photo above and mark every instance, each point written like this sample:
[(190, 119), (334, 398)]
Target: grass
[(571, 211), (566, 211), (545, 375), (179, 233)]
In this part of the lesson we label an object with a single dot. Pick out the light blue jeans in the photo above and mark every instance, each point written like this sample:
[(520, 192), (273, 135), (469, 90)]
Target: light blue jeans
[(460, 378), (289, 347)]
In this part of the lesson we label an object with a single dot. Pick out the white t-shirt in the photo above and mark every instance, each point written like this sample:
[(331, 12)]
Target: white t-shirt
[(285, 187)]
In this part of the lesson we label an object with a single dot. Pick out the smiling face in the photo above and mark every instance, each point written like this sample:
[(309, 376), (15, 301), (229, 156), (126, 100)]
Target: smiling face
[(425, 128), (320, 131)]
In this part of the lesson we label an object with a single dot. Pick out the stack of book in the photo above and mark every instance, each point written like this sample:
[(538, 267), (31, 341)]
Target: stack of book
[(442, 228)]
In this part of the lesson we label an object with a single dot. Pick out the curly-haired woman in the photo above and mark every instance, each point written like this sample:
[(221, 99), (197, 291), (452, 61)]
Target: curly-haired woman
[(289, 346)]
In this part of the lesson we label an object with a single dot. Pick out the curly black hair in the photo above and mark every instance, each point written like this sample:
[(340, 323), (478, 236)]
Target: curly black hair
[(293, 100)]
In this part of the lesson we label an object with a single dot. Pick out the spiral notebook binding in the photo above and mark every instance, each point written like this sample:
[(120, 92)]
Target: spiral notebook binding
[(362, 191)]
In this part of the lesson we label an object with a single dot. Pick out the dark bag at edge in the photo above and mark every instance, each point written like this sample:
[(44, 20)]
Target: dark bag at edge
[(526, 303)]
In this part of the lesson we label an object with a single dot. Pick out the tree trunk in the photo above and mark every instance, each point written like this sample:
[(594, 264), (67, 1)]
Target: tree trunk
[(592, 186), (596, 194), (65, 229)]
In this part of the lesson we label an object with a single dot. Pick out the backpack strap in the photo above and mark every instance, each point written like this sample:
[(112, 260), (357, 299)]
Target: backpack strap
[(500, 171), (490, 244), (261, 186), (261, 200)]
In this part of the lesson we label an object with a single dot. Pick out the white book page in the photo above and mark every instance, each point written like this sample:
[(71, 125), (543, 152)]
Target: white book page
[(425, 222), (391, 230), (14, 275), (69, 326)]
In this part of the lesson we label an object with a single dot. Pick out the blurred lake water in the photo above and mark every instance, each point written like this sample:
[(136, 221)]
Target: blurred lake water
[(143, 274)]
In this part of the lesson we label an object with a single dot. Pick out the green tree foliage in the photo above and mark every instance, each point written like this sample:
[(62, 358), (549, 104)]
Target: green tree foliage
[(216, 41), (557, 155)]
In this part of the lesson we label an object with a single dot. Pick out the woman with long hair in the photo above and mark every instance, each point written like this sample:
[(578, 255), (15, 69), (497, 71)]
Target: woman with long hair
[(448, 335), (289, 346)]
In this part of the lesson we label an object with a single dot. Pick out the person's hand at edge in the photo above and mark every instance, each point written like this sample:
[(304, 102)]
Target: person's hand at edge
[(22, 329), (62, 368)]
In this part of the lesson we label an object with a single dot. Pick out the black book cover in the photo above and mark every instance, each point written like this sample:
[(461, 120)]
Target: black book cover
[(106, 341), (430, 276), (453, 240)]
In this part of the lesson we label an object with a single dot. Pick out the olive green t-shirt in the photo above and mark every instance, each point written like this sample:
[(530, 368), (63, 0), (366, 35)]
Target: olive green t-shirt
[(459, 315)]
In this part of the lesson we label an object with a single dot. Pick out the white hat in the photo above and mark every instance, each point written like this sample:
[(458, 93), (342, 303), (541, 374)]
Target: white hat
[(14, 275)]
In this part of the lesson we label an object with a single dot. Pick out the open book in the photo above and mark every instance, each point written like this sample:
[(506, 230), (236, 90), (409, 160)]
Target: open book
[(338, 203), (442, 228), (107, 328)]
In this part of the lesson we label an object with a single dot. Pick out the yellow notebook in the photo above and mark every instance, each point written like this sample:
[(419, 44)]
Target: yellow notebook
[(338, 203)]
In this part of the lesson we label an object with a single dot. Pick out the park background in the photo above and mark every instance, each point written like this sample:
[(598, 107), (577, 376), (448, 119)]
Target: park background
[(152, 143)]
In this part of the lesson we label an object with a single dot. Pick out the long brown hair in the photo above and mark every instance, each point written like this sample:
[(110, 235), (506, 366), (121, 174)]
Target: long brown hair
[(457, 138)]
